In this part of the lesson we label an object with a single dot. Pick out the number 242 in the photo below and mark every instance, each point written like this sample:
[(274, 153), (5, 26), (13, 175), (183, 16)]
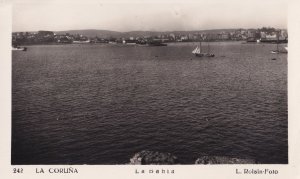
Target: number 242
[(17, 170)]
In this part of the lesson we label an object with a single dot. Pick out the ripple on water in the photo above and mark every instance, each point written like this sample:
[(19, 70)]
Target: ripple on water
[(101, 104)]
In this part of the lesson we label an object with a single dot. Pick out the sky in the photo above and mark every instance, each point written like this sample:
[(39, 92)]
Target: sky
[(133, 15)]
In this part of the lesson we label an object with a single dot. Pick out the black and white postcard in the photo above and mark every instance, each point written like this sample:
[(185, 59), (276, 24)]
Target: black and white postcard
[(149, 89)]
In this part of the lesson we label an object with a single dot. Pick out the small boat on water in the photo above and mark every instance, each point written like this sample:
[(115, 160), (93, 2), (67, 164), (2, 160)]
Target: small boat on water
[(156, 43), (16, 48), (277, 51), (198, 52)]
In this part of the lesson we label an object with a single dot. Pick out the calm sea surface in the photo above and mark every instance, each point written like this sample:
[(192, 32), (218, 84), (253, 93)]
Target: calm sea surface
[(100, 104)]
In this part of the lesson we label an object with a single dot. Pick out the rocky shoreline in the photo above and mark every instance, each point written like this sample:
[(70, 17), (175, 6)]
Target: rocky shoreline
[(147, 157)]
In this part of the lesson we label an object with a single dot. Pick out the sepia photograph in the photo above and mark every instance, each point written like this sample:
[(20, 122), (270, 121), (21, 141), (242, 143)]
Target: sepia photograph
[(115, 83)]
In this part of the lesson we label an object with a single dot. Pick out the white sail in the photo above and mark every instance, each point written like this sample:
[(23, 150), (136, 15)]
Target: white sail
[(196, 50)]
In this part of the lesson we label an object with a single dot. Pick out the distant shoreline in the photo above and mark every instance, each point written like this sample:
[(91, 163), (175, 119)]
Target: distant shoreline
[(121, 44)]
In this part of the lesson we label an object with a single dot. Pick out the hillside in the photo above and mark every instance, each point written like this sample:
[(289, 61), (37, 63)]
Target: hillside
[(107, 33), (93, 33)]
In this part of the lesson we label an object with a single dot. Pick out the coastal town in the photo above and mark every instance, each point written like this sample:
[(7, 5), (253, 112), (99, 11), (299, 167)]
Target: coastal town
[(264, 35)]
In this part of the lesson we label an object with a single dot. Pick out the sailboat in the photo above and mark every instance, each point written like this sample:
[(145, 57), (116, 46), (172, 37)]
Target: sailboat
[(17, 48), (278, 51), (198, 52), (277, 47)]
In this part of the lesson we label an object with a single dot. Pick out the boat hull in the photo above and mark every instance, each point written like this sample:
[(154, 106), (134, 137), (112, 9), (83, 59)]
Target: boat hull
[(205, 55), (277, 51), (156, 44), (19, 48)]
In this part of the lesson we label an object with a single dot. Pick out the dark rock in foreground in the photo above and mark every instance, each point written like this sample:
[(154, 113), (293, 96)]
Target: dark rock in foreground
[(206, 160), (147, 157)]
